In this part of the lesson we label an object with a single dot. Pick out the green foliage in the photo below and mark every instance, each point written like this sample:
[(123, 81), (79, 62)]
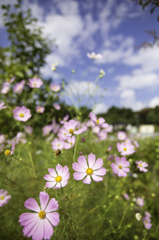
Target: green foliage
[(28, 48), (152, 4)]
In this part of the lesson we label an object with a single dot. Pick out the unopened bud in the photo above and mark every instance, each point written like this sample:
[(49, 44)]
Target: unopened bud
[(57, 152), (7, 152)]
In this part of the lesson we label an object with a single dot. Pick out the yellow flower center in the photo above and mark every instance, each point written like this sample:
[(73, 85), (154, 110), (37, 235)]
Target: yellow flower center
[(64, 133), (89, 171), (8, 80), (2, 197), (7, 152), (39, 110), (120, 166), (140, 165), (71, 130), (125, 149), (42, 214), (58, 179), (34, 84), (71, 143), (146, 221), (58, 144), (97, 121), (21, 115)]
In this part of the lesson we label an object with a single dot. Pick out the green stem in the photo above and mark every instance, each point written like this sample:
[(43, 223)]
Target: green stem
[(86, 70), (75, 149), (23, 162), (32, 164), (123, 217)]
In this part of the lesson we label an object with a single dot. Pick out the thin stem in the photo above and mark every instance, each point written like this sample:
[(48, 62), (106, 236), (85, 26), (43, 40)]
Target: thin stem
[(86, 70), (32, 164), (75, 149), (123, 217), (23, 162)]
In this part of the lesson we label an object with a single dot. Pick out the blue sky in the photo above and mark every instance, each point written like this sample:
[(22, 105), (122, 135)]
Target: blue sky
[(112, 28)]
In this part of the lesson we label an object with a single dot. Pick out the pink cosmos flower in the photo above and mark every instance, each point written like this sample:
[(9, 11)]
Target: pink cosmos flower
[(2, 148), (121, 135), (57, 144), (89, 123), (102, 135), (22, 113), (39, 224), (13, 147), (136, 144), (142, 166), (56, 106), (5, 87), (40, 109), (140, 201), (125, 148), (70, 142), (62, 134), (109, 149), (20, 137), (2, 138), (121, 166), (57, 179), (11, 80), (110, 158), (55, 87), (28, 129), (55, 126), (2, 106), (107, 127), (93, 55), (71, 125), (99, 122), (4, 198), (64, 119), (35, 82), (147, 222), (96, 129), (47, 129), (147, 214), (18, 88), (126, 196), (92, 169)]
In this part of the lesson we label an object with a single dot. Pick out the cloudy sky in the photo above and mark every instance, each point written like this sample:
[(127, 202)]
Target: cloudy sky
[(113, 28)]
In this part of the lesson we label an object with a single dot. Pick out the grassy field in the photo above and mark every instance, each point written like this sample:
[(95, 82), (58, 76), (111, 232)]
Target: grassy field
[(95, 211)]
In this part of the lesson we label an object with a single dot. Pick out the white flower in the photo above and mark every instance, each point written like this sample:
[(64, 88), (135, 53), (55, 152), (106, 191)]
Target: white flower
[(102, 72), (54, 65), (134, 175), (93, 55), (138, 216)]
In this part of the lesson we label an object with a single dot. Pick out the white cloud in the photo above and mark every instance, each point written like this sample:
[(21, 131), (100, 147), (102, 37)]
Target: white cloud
[(120, 52), (147, 59), (99, 108), (128, 100), (137, 80), (154, 102)]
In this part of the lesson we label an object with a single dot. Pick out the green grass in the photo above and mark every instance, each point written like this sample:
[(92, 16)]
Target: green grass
[(95, 211)]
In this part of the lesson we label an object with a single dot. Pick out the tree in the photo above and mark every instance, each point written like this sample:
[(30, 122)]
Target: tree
[(153, 4), (28, 48)]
